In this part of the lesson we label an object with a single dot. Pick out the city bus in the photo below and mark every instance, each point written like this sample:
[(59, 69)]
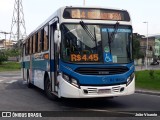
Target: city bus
[(81, 52)]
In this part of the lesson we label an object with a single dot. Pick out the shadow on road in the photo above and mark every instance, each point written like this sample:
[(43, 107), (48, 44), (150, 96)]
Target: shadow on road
[(92, 103)]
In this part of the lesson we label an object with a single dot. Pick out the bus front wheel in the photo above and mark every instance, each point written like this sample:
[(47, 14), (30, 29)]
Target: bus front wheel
[(47, 89)]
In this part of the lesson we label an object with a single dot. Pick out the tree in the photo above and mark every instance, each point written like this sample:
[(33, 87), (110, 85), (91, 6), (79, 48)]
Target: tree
[(3, 57), (136, 47), (12, 52)]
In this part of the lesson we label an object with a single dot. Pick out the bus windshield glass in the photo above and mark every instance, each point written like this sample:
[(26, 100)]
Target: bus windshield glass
[(96, 43)]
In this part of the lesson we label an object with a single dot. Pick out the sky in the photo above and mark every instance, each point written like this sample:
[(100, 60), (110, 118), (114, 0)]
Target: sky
[(37, 11)]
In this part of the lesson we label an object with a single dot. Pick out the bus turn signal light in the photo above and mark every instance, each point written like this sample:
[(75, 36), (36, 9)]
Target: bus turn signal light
[(46, 56)]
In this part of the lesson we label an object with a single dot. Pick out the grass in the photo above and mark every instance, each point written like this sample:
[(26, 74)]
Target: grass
[(10, 66), (148, 79)]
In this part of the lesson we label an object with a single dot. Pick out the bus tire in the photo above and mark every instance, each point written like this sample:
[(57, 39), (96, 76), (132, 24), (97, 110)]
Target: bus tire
[(29, 85), (47, 89)]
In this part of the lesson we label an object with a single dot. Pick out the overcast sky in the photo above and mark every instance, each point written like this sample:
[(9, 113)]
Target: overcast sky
[(36, 11)]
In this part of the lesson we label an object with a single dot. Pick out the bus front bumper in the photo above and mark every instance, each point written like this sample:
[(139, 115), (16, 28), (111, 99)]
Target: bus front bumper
[(67, 90)]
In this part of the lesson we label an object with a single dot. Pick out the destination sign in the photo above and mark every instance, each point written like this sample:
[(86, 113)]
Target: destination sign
[(97, 14), (84, 58)]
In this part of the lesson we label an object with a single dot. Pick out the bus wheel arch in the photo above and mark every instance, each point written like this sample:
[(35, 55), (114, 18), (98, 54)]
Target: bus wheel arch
[(47, 87)]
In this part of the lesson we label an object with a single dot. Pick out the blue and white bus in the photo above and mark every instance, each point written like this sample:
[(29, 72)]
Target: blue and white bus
[(81, 52)]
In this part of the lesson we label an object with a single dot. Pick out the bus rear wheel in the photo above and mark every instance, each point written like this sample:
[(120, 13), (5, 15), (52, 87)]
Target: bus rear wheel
[(47, 89), (29, 85)]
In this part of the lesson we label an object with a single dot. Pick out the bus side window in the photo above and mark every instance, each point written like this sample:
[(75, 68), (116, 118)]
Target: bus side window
[(34, 43), (31, 47), (46, 43), (26, 48), (39, 41), (42, 39)]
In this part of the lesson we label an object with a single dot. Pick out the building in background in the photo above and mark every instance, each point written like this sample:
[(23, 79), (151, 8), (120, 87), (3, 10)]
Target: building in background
[(6, 44), (157, 48), (151, 46), (2, 44), (153, 52)]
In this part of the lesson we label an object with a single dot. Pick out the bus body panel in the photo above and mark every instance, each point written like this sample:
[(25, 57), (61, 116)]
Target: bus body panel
[(39, 78)]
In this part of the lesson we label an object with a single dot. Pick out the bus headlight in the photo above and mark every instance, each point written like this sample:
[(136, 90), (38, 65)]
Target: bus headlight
[(71, 80), (130, 78), (66, 77), (74, 82)]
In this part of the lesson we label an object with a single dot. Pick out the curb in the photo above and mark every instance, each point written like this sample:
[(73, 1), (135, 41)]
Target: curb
[(10, 71), (148, 92)]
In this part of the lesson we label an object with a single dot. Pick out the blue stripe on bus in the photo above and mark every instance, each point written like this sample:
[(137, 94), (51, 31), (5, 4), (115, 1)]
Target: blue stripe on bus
[(26, 64), (119, 30), (38, 64), (41, 64)]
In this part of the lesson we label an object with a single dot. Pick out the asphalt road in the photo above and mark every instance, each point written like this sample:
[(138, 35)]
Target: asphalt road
[(15, 96)]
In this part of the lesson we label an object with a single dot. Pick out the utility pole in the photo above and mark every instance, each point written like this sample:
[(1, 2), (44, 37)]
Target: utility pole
[(18, 29), (18, 23), (146, 46)]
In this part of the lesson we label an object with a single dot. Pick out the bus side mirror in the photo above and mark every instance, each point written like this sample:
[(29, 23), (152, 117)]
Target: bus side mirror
[(57, 36)]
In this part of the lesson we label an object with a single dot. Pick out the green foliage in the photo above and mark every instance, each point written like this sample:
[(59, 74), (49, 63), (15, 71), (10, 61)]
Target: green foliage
[(145, 79), (136, 47), (12, 52), (4, 54), (151, 73), (10, 66), (3, 57)]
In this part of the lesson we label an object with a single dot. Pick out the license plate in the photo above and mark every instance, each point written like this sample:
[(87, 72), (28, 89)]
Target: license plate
[(104, 91)]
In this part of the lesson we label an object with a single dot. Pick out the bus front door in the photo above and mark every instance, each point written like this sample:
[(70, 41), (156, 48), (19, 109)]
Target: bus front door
[(53, 58)]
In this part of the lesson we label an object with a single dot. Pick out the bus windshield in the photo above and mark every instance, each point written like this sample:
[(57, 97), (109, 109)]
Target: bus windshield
[(78, 46)]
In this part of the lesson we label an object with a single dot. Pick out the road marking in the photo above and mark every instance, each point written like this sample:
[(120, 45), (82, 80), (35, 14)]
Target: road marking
[(24, 82), (17, 77), (4, 77), (1, 81), (110, 111), (12, 81)]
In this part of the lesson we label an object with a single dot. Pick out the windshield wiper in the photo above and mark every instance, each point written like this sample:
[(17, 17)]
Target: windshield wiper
[(128, 52), (112, 36), (129, 49), (93, 37), (115, 31), (84, 26), (109, 41)]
